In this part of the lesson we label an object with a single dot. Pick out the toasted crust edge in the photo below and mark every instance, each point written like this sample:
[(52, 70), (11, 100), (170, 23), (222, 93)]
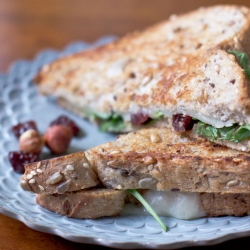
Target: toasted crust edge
[(85, 204)]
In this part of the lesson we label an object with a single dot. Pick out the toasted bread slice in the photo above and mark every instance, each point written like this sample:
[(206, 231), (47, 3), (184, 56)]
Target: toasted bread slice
[(152, 158), (85, 204), (168, 67), (161, 160), (59, 175)]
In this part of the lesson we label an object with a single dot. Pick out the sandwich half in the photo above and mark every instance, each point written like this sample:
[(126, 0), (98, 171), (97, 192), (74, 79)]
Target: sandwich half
[(189, 73), (168, 169)]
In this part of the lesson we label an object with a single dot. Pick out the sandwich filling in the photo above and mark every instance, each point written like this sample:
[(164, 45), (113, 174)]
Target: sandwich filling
[(181, 123), (180, 205), (236, 132)]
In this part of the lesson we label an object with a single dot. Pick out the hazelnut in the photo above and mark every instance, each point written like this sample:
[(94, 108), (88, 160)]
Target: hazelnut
[(57, 138), (31, 141)]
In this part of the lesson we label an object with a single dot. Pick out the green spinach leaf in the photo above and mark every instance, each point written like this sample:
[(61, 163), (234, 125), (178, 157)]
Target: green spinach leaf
[(243, 61), (234, 133), (137, 195)]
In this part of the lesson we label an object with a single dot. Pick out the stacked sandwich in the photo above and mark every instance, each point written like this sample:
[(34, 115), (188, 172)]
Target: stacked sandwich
[(183, 87)]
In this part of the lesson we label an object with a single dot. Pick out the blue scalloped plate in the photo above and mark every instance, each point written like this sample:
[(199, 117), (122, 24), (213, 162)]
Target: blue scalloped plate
[(20, 101)]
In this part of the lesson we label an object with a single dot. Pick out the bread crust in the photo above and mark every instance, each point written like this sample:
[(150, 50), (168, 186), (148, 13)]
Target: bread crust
[(217, 204), (152, 158), (137, 161), (59, 175), (84, 204)]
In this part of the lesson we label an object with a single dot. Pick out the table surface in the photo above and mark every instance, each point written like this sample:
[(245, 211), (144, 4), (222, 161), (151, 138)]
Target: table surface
[(27, 27)]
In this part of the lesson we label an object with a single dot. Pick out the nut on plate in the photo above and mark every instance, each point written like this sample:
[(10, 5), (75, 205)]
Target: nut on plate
[(31, 141), (57, 138)]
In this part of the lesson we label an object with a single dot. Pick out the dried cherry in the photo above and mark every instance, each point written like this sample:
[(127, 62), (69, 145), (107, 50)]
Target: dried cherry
[(19, 158), (138, 119), (64, 120), (182, 123)]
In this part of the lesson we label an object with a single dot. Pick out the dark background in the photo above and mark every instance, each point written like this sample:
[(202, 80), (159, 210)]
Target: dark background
[(27, 26)]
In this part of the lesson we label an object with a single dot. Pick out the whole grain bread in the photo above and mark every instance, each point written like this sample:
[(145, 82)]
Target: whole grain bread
[(59, 175), (217, 204), (158, 159), (85, 204), (153, 158), (177, 65)]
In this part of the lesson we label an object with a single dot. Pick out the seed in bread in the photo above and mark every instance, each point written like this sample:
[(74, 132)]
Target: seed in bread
[(59, 174), (176, 162)]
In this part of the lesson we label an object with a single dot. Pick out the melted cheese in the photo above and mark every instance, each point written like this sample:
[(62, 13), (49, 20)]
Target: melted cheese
[(180, 205)]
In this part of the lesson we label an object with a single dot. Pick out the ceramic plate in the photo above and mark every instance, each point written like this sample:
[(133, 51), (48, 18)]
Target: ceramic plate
[(19, 102)]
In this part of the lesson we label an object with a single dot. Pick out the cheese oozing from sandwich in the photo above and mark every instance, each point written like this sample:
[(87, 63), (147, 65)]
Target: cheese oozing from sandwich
[(180, 205)]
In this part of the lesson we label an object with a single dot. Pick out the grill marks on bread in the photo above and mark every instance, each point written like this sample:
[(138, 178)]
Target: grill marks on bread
[(173, 162), (175, 55), (154, 158)]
